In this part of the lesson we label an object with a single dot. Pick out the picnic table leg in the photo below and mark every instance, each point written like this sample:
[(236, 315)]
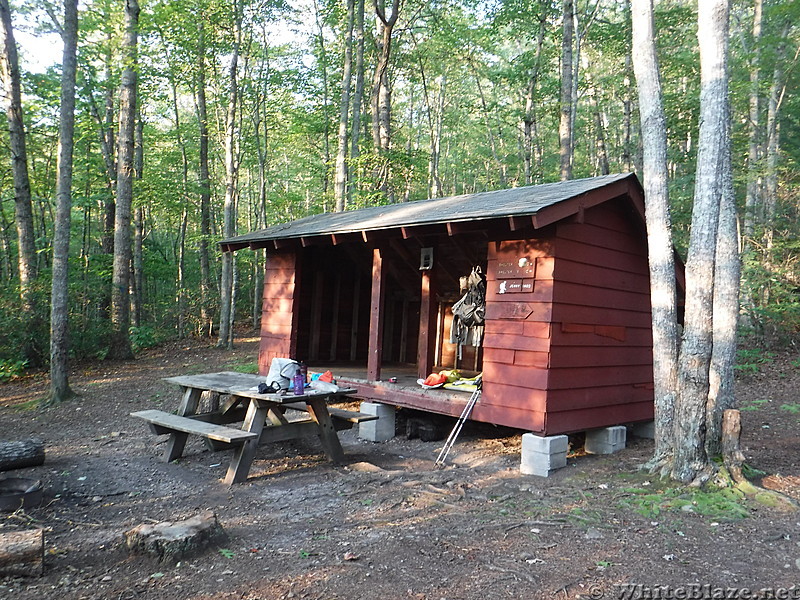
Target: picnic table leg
[(243, 455), (177, 440), (318, 409)]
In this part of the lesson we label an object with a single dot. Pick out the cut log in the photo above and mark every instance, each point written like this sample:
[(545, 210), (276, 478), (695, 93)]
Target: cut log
[(22, 553), (172, 541), (21, 454)]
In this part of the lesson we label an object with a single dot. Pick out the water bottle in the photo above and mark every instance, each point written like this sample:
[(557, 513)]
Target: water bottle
[(298, 385)]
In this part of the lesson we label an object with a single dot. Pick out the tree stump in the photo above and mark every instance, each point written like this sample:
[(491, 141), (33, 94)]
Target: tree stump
[(172, 541), (22, 553), (25, 453), (731, 452)]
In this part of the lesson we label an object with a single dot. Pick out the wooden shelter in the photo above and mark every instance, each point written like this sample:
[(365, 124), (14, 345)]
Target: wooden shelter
[(567, 346)]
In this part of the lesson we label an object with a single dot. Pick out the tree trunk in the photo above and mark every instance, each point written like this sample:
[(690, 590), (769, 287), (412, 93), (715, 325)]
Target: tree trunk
[(565, 122), (358, 93), (137, 299), (659, 236), (120, 347), (205, 183), (529, 121), (381, 97), (436, 188), (690, 459), (776, 92), (727, 271), (59, 313), (107, 131), (753, 128), (340, 181), (26, 236), (324, 64), (229, 215)]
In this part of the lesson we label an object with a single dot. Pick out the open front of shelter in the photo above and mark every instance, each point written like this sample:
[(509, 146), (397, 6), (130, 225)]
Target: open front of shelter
[(566, 341)]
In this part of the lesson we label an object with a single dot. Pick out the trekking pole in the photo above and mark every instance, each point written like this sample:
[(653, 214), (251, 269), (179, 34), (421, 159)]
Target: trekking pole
[(451, 439)]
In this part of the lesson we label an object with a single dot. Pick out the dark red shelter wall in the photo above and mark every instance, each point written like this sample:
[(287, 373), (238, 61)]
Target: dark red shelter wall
[(601, 346), (278, 314), (517, 341)]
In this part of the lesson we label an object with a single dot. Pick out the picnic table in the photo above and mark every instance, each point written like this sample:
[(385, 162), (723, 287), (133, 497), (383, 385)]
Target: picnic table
[(262, 416)]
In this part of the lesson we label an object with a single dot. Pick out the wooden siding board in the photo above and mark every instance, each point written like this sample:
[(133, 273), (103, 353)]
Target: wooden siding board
[(612, 395), (598, 237), (494, 373), (600, 257), (594, 418), (573, 293), (602, 277), (587, 377), (573, 313), (567, 357), (517, 342), (638, 337)]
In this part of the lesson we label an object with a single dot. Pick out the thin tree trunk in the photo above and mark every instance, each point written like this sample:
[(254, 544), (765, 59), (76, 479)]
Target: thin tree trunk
[(436, 188), (691, 462), (776, 92), (659, 237), (340, 181), (358, 93), (137, 288), (205, 183), (754, 129), (120, 346), (324, 65), (59, 313), (627, 118), (229, 215), (565, 122), (26, 236), (529, 121), (381, 96), (109, 145), (727, 271)]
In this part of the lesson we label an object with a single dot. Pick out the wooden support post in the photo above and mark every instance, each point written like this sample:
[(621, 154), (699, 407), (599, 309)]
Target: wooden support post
[(316, 316), (427, 325), (243, 455), (376, 316), (22, 553), (354, 322), (177, 440), (327, 432), (337, 292)]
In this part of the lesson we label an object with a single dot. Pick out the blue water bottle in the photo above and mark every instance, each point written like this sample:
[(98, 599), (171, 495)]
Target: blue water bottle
[(298, 385)]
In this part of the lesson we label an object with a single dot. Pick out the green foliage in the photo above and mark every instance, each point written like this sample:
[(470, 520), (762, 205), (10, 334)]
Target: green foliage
[(793, 408), (143, 337), (11, 369), (750, 360), (225, 552), (755, 404), (243, 366)]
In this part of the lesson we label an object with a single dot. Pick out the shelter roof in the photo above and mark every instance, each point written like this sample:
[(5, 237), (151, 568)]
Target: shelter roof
[(543, 204)]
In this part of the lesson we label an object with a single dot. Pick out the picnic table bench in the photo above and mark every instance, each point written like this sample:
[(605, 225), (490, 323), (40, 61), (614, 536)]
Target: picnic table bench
[(253, 409)]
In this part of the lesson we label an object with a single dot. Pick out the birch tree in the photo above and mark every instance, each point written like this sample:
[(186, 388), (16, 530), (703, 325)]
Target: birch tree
[(59, 314)]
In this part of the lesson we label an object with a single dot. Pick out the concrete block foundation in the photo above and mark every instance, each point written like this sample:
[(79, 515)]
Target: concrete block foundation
[(607, 440), (381, 429), (543, 455)]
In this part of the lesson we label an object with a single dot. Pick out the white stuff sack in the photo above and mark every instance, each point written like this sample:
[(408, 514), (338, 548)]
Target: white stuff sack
[(281, 371)]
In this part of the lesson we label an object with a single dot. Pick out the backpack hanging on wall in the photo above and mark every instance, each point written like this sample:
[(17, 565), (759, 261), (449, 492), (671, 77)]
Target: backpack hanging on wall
[(469, 312)]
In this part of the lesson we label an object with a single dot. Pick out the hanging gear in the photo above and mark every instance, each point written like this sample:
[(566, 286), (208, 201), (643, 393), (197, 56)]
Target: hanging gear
[(469, 312)]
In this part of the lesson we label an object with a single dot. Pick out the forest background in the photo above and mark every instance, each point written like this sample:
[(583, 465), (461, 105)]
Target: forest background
[(256, 113)]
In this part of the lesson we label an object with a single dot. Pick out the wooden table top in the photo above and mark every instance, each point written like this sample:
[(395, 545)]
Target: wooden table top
[(245, 385)]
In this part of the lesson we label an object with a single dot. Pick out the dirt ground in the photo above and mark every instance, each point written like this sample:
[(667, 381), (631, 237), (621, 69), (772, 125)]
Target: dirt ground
[(387, 524)]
